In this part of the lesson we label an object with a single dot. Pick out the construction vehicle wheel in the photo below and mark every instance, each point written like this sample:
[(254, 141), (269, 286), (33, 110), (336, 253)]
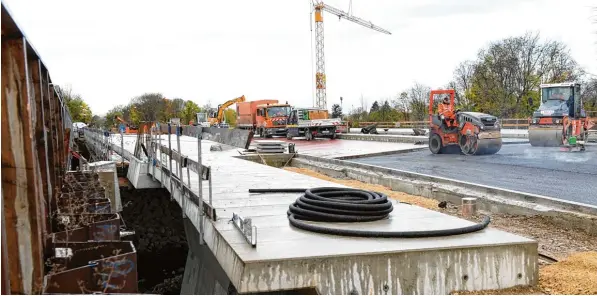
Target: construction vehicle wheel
[(308, 135), (468, 144), (435, 144)]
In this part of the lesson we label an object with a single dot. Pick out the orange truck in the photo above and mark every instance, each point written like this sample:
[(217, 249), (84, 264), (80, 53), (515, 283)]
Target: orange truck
[(266, 117)]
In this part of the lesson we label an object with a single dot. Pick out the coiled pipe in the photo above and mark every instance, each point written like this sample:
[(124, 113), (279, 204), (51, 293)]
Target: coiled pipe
[(335, 204)]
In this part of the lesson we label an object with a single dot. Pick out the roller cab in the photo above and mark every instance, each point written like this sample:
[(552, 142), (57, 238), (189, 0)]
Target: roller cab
[(560, 120)]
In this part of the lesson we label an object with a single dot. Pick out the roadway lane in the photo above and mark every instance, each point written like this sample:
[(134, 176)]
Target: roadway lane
[(545, 171)]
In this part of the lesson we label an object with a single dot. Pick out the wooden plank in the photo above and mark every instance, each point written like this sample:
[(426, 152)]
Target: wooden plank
[(19, 187)]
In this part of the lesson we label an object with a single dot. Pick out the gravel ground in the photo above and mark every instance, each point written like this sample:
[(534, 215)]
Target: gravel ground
[(159, 239), (576, 271)]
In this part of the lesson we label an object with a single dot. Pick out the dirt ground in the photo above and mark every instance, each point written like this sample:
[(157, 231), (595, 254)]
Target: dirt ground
[(576, 251)]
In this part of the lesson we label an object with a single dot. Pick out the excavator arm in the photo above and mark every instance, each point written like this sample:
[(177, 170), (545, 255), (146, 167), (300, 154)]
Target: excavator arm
[(221, 108), (119, 119)]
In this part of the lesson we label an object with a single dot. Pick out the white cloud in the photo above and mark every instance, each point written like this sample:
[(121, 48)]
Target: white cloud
[(111, 51)]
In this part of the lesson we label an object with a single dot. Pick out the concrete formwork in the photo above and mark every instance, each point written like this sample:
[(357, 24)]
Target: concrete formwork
[(286, 258)]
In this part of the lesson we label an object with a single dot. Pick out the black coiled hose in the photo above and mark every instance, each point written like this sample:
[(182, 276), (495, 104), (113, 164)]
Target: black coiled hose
[(334, 204)]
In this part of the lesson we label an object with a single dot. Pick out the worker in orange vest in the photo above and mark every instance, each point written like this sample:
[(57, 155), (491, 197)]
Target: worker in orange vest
[(446, 112)]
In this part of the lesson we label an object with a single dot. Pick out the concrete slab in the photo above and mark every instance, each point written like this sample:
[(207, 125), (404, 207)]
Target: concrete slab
[(287, 258), (345, 148)]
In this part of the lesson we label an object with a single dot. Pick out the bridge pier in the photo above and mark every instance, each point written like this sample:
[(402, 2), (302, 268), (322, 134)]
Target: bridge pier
[(203, 274)]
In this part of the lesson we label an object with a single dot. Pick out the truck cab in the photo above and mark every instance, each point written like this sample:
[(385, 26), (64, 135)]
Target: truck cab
[(202, 120), (271, 119), (311, 123)]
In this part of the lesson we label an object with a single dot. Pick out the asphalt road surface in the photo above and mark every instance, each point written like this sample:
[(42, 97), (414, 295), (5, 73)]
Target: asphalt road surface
[(539, 170)]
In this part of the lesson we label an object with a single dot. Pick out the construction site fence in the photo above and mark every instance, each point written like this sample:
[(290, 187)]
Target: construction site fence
[(507, 123)]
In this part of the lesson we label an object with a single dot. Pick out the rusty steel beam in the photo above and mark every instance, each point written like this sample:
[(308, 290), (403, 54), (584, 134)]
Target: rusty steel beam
[(5, 269), (20, 189), (47, 163), (55, 144), (37, 135)]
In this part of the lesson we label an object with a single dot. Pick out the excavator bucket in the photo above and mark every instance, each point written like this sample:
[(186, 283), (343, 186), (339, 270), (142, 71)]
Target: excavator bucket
[(545, 137)]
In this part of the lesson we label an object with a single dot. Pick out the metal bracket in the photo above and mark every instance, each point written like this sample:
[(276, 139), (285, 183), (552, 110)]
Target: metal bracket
[(246, 228)]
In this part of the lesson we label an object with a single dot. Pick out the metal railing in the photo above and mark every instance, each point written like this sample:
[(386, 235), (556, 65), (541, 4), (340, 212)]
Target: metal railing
[(506, 123), (165, 162)]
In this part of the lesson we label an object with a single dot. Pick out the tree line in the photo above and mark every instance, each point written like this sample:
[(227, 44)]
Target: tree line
[(502, 80), (146, 107)]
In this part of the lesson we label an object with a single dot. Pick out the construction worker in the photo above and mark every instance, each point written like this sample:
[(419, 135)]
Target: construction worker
[(446, 112)]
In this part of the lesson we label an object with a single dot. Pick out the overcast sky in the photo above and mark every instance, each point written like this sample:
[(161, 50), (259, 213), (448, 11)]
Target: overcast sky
[(110, 51)]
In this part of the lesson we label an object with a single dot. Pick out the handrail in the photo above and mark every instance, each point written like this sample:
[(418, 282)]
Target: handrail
[(522, 123)]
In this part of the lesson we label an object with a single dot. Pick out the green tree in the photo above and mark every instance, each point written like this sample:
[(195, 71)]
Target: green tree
[(78, 109), (336, 111), (110, 120), (230, 116), (178, 107), (189, 112), (374, 107)]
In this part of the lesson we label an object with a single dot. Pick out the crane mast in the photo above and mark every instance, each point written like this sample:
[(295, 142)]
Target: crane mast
[(320, 78)]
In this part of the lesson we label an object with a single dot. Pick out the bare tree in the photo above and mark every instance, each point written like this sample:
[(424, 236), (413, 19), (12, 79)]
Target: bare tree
[(509, 71), (589, 95), (418, 102), (402, 105), (151, 106), (463, 83)]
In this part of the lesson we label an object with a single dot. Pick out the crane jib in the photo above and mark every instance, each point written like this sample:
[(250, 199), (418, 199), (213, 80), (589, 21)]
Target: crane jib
[(320, 78)]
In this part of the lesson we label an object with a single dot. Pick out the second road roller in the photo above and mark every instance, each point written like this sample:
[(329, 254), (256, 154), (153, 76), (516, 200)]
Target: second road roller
[(560, 119), (473, 133)]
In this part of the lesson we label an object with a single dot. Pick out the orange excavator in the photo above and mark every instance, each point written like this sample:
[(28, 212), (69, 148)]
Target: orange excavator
[(216, 117), (473, 132), (128, 129)]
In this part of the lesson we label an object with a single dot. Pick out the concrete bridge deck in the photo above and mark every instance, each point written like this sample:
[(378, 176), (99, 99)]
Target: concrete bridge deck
[(287, 258)]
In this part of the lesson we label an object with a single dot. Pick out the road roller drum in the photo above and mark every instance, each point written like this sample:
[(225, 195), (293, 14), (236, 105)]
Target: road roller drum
[(546, 137)]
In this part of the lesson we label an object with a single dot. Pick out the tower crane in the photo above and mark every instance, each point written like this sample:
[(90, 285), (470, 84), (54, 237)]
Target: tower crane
[(320, 79)]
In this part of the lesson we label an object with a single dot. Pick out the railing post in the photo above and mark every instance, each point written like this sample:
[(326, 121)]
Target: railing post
[(180, 177), (200, 173), (170, 156), (160, 151), (153, 151)]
